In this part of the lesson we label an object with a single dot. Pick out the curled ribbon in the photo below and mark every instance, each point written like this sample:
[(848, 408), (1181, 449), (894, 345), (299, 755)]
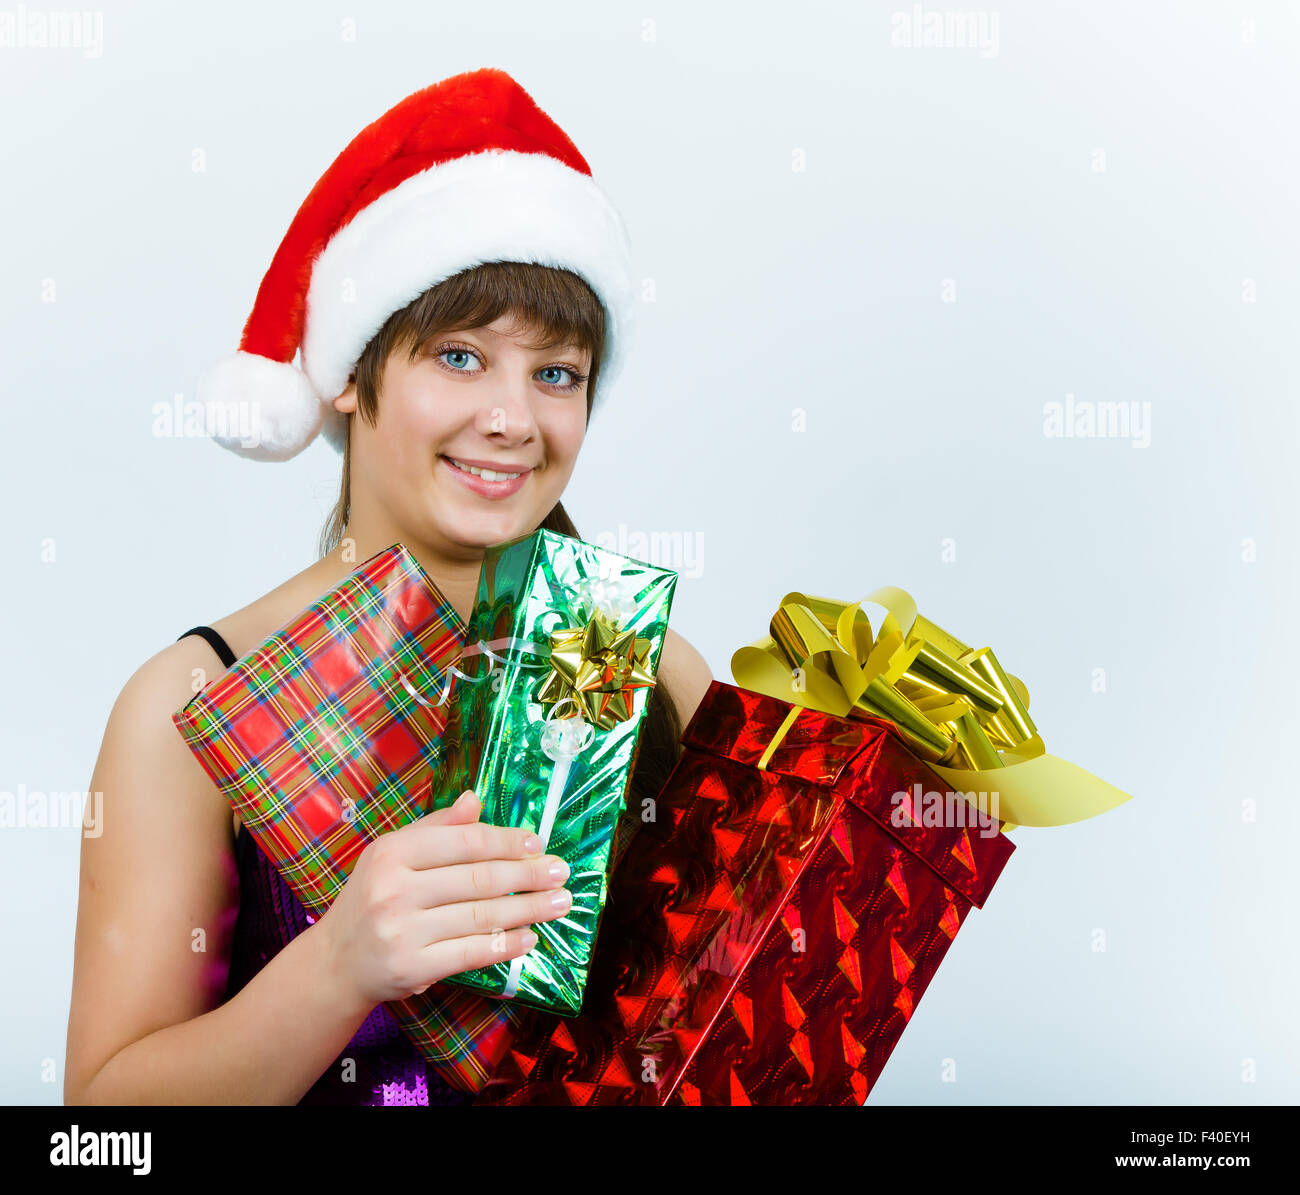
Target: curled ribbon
[(953, 705), (479, 648)]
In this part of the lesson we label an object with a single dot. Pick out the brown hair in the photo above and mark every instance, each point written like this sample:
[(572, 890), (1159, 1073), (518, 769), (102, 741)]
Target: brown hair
[(557, 306)]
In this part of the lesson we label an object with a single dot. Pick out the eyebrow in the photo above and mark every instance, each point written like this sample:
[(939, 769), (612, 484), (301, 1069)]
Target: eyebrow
[(536, 348), (568, 344), (556, 348)]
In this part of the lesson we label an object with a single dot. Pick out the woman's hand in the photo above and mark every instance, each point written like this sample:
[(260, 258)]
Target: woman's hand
[(433, 899)]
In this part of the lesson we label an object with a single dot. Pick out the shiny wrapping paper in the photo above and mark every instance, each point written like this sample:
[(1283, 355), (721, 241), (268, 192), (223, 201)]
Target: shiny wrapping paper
[(563, 642), (952, 704), (769, 934)]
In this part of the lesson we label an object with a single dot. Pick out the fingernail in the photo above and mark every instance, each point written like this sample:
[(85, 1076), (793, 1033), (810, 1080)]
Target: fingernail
[(460, 800), (561, 899), (532, 844), (558, 870), (530, 939)]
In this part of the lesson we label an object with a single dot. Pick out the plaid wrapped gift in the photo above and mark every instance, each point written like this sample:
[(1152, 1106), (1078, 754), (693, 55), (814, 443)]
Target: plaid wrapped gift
[(328, 735)]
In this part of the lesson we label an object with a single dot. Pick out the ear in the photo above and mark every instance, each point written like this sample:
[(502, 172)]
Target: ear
[(346, 403)]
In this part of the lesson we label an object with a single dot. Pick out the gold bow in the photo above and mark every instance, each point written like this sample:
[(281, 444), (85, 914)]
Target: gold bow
[(599, 667), (953, 705)]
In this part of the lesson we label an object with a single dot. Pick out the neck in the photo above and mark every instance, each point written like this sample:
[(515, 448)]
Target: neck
[(453, 569)]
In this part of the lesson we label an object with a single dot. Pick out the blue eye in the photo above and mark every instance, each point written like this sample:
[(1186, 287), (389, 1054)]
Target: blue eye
[(576, 378), (456, 358), (458, 353)]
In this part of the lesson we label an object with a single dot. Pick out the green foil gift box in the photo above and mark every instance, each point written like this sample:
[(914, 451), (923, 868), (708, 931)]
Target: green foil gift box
[(551, 691)]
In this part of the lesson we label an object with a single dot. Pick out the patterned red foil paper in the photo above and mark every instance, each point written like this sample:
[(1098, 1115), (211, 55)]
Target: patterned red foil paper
[(769, 934)]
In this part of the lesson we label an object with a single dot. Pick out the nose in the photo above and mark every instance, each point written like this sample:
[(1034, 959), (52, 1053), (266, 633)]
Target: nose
[(506, 412)]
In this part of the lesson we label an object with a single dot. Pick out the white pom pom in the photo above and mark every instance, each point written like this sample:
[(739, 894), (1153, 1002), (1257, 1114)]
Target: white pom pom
[(261, 409)]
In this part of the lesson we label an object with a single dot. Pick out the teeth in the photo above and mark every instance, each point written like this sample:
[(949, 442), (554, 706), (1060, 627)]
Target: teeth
[(486, 474)]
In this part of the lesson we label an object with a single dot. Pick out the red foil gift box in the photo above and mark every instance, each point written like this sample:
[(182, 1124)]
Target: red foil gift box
[(769, 933)]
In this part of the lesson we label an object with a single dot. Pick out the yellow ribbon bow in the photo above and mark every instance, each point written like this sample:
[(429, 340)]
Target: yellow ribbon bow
[(599, 668), (953, 705)]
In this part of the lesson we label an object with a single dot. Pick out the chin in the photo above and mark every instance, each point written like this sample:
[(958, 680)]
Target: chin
[(470, 532)]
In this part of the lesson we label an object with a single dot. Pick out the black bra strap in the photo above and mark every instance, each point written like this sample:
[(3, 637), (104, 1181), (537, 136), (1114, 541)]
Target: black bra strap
[(217, 643)]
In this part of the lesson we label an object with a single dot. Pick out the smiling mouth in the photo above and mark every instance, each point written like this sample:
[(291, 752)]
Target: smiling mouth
[(485, 474)]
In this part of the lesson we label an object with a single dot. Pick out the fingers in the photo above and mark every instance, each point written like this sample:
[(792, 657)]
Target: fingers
[(475, 918), (455, 835), (485, 879), (465, 808), (455, 955)]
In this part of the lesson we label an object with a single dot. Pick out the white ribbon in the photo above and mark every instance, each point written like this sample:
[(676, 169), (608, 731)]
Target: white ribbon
[(563, 753)]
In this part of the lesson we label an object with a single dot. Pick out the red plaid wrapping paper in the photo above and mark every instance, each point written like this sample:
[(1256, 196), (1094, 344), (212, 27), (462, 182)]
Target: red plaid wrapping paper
[(318, 740), (698, 993)]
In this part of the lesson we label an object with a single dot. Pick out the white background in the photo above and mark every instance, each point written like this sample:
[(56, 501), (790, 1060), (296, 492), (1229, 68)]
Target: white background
[(923, 462)]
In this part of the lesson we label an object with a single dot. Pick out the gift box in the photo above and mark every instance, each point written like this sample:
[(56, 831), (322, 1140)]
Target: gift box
[(329, 734), (771, 930), (563, 643)]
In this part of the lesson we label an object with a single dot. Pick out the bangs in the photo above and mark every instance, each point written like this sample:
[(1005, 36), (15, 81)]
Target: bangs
[(552, 307)]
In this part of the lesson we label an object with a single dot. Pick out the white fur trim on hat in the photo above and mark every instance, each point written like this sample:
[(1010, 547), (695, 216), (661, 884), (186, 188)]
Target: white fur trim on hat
[(497, 205)]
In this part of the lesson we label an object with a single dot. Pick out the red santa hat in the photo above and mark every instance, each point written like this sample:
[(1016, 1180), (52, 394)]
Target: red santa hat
[(467, 171)]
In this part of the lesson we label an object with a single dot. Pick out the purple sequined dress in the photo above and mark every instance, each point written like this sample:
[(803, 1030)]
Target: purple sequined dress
[(389, 1069)]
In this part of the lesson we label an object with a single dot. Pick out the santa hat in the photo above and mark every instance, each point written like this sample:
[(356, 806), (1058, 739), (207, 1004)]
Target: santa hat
[(467, 171)]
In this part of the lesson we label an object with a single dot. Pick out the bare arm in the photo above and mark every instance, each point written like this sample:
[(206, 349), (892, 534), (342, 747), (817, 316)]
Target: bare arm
[(157, 907), (267, 1045), (155, 914)]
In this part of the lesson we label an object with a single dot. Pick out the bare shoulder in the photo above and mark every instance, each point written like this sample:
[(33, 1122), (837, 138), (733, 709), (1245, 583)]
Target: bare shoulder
[(167, 679), (150, 772), (140, 721), (685, 672)]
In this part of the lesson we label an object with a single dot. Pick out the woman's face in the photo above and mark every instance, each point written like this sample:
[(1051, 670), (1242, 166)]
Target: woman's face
[(482, 398)]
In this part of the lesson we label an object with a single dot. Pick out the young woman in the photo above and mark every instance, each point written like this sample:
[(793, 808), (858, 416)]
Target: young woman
[(198, 977)]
